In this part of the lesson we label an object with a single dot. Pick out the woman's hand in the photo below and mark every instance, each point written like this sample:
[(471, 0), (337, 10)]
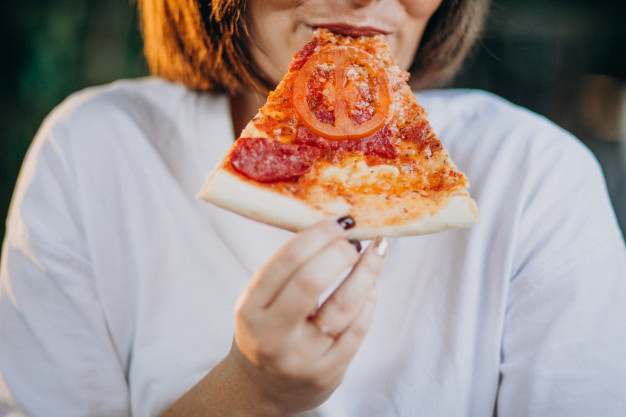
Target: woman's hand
[(289, 354), (297, 352)]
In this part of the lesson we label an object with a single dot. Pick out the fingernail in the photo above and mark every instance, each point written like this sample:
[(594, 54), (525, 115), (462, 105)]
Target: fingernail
[(346, 222), (381, 246), (356, 244)]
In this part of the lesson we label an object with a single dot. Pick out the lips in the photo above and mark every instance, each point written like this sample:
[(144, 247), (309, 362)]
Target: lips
[(350, 30)]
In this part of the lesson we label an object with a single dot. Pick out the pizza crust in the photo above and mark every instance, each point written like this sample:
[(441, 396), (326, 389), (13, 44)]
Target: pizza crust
[(459, 212), (230, 192)]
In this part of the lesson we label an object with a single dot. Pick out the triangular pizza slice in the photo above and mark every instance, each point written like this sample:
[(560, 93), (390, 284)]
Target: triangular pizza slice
[(343, 134)]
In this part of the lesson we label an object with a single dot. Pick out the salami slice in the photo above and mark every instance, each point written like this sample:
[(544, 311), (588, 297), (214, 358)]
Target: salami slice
[(267, 160)]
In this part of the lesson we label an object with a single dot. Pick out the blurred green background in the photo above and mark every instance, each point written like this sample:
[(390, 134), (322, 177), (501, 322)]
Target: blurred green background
[(50, 49), (563, 59)]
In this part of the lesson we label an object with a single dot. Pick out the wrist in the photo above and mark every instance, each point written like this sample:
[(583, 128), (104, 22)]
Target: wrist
[(253, 393), (229, 389)]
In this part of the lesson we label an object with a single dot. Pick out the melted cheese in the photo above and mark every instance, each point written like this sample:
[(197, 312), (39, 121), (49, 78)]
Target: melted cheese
[(359, 174)]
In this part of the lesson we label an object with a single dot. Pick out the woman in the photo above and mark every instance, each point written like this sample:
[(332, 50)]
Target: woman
[(118, 286)]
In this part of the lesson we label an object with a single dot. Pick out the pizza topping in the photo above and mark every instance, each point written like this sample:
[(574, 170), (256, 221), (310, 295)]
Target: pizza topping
[(378, 144), (303, 55), (421, 135), (360, 177), (266, 160), (342, 93)]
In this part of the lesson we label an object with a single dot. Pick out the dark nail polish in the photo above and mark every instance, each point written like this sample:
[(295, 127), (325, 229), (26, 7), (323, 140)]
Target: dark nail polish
[(346, 222), (356, 244)]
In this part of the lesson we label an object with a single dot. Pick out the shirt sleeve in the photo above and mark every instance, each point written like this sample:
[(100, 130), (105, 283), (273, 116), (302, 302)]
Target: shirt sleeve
[(564, 340), (57, 357)]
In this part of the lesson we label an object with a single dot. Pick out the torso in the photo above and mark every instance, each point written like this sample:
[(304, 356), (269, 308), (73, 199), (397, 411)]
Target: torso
[(170, 267)]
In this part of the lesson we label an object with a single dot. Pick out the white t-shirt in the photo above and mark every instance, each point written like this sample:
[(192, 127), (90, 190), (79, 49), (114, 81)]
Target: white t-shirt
[(118, 285)]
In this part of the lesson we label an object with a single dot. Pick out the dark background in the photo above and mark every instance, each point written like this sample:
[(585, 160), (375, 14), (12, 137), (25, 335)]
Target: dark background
[(563, 59)]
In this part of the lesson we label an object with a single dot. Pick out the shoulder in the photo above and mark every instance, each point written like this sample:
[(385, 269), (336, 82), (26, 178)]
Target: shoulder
[(138, 101), (479, 111), (463, 102), (517, 161), (522, 167), (130, 117), (99, 138), (486, 130)]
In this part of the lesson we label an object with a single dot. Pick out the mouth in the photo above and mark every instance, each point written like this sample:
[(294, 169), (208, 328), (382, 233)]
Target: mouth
[(351, 30)]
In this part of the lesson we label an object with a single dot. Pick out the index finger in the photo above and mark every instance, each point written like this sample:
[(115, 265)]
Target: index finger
[(271, 278)]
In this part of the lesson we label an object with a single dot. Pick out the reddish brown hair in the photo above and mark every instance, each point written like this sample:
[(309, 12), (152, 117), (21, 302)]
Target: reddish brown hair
[(203, 45)]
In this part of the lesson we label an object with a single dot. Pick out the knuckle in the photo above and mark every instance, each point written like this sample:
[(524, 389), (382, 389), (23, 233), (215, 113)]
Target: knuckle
[(344, 303), (330, 228), (309, 285), (293, 257), (371, 265), (359, 330), (348, 251)]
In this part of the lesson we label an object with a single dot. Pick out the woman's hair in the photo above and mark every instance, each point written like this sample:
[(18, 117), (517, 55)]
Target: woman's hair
[(203, 43)]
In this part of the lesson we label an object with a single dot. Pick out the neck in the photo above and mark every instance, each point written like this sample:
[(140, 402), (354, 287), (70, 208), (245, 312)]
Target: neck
[(243, 107)]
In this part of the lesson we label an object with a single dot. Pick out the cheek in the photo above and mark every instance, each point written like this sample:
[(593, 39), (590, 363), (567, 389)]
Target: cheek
[(270, 41), (273, 51), (418, 13)]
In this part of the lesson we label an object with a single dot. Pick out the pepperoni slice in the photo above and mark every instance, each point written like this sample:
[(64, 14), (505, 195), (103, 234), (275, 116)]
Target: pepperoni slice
[(266, 160), (354, 87)]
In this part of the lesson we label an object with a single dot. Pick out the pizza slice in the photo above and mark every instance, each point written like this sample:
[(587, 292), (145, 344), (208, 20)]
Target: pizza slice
[(342, 134)]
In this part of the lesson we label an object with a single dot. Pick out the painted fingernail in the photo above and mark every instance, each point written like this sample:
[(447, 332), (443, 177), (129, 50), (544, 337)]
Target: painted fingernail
[(356, 244), (381, 246), (346, 222)]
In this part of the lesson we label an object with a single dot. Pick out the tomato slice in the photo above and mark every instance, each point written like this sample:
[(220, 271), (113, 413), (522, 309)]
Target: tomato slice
[(345, 60)]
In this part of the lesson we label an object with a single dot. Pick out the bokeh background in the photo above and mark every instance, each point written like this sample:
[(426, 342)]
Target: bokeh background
[(563, 59)]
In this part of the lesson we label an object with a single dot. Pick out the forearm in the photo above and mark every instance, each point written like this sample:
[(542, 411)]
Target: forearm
[(228, 390)]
